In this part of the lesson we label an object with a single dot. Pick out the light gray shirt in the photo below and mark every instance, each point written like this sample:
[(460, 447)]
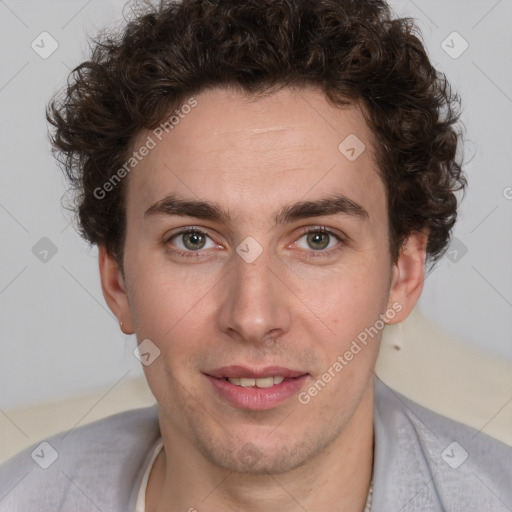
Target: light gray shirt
[(423, 462)]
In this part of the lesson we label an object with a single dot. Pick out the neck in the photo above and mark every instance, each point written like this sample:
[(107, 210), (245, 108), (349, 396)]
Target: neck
[(336, 479)]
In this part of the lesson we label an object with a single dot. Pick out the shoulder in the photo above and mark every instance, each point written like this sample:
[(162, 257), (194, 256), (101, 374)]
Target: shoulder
[(90, 467), (444, 464)]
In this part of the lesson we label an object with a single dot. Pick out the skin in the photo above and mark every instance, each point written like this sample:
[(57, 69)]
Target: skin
[(253, 156)]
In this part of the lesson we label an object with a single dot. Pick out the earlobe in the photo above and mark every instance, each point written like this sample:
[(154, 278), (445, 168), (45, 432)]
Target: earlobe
[(114, 289), (408, 276)]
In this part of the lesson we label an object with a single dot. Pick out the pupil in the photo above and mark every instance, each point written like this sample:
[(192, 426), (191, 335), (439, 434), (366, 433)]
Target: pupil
[(316, 239), (194, 240)]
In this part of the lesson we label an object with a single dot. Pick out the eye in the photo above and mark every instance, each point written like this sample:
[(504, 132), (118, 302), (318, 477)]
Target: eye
[(192, 240), (318, 239)]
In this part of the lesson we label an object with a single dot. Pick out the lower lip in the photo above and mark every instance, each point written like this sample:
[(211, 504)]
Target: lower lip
[(254, 398)]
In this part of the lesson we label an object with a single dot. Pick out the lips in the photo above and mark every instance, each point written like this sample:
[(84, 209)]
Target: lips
[(256, 389), (238, 372)]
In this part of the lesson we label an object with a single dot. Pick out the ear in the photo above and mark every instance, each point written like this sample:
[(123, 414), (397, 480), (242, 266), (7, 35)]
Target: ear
[(114, 289), (408, 276)]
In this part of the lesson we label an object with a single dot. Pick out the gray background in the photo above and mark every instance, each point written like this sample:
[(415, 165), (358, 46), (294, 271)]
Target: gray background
[(58, 336)]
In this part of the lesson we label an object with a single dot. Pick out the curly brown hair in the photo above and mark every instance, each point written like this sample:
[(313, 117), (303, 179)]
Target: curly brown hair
[(354, 50)]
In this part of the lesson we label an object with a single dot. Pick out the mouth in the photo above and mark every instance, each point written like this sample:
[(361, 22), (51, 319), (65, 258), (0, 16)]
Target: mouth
[(256, 389), (249, 382)]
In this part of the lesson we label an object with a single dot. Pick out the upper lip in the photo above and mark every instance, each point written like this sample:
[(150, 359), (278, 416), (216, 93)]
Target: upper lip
[(238, 371)]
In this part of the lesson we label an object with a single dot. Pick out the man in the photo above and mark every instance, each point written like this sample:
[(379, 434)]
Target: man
[(265, 182)]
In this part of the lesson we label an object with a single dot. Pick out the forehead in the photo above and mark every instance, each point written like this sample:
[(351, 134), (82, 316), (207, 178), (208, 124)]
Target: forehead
[(258, 151)]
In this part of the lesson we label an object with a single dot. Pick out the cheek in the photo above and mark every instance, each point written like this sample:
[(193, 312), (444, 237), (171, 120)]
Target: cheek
[(348, 299), (163, 306), (173, 307), (168, 310)]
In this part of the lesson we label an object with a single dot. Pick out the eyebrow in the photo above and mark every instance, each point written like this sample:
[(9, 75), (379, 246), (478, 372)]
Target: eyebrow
[(333, 205), (207, 210)]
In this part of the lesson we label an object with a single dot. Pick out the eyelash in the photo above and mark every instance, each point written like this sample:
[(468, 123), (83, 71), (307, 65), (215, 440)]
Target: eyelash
[(304, 231), (322, 253)]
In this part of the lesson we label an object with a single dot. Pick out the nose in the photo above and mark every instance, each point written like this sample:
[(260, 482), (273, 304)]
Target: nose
[(255, 302)]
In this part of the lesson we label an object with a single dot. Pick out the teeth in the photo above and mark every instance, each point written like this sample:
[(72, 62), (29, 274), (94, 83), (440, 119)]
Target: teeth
[(265, 382), (247, 382)]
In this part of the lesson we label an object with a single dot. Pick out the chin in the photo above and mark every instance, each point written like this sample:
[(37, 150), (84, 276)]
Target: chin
[(253, 458)]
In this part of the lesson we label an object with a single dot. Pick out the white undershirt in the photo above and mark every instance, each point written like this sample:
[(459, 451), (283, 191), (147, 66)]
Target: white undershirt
[(140, 505)]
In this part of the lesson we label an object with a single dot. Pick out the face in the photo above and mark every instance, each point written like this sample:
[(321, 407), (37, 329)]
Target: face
[(256, 249)]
